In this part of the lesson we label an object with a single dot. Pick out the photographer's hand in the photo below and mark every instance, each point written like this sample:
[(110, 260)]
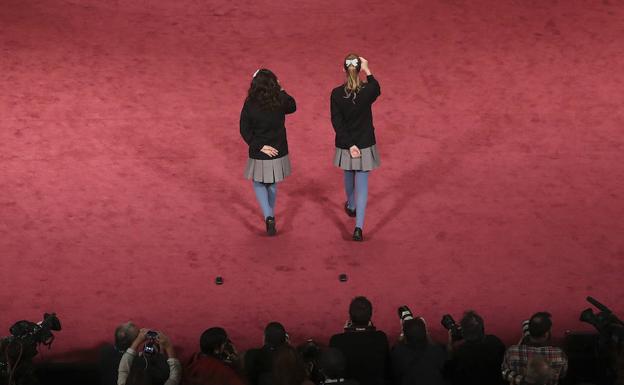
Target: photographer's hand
[(140, 338), (165, 344), (449, 344)]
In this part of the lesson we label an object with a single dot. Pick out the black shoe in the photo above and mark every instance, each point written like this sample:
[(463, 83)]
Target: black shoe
[(270, 226), (357, 235), (350, 212)]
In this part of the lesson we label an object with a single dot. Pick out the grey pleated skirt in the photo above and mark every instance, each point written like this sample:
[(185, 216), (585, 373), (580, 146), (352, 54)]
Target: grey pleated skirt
[(268, 171), (368, 161)]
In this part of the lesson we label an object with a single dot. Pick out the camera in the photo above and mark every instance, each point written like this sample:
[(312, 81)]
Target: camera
[(38, 333), (449, 324), (151, 343), (606, 323), (405, 314), (229, 355), (18, 350)]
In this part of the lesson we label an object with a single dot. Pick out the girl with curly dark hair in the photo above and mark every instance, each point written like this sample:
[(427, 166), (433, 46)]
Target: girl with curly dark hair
[(262, 127)]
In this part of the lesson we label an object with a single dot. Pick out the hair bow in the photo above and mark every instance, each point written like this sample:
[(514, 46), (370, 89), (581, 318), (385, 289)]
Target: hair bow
[(352, 62)]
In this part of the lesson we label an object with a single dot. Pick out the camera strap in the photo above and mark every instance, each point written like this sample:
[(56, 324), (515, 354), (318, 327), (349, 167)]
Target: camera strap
[(333, 380)]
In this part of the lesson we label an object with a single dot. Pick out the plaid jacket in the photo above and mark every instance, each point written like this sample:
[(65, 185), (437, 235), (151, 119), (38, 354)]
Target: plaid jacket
[(517, 358)]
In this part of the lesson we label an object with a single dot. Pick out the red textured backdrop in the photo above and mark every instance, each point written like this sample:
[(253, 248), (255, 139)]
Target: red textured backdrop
[(500, 127)]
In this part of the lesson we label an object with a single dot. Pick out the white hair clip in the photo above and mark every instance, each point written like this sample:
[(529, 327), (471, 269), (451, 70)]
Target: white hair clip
[(352, 62), (256, 73)]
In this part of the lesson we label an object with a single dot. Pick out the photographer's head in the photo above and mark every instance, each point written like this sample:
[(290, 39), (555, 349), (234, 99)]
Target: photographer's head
[(415, 333), (212, 341), (310, 352), (360, 312), (275, 335), (473, 329), (125, 335), (540, 326)]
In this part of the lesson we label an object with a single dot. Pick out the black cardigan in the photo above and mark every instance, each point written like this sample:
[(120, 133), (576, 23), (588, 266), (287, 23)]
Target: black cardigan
[(260, 127), (353, 122)]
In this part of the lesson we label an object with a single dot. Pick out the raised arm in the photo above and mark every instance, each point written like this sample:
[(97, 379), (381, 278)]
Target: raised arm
[(372, 86), (288, 102)]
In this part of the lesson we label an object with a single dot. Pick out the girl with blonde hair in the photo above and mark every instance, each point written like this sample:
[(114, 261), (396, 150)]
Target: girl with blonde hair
[(356, 151)]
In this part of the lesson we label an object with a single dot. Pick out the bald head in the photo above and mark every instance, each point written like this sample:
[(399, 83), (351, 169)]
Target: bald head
[(125, 334)]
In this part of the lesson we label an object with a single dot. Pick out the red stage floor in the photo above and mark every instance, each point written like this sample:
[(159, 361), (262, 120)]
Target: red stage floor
[(500, 126)]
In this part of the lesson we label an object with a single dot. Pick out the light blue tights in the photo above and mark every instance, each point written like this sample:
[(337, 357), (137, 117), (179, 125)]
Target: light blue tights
[(266, 194), (356, 187)]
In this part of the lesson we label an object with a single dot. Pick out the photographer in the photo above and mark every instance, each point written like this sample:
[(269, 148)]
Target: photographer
[(475, 359), (110, 355), (149, 367), (365, 349), (216, 363), (416, 359), (536, 342), (259, 362), (310, 352)]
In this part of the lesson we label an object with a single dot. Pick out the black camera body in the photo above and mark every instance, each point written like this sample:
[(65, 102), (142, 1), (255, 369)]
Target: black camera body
[(405, 314), (449, 324), (152, 344)]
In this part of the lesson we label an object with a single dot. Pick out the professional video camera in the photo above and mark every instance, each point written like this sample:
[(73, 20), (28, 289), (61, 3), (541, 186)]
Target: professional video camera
[(18, 350), (609, 342), (606, 323)]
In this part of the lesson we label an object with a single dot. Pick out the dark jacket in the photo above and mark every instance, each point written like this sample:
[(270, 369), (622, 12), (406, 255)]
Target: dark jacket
[(477, 363), (108, 365), (259, 364), (412, 366), (366, 354), (260, 127), (353, 118)]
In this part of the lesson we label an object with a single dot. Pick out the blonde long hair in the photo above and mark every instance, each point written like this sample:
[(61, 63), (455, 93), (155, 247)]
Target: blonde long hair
[(353, 84)]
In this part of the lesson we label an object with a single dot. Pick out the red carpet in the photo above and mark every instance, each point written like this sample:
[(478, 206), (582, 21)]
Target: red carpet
[(500, 128)]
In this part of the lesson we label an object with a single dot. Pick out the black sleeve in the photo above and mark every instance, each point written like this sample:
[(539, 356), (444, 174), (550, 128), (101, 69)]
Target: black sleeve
[(342, 134), (396, 366), (288, 102), (246, 129), (389, 374), (373, 89), (250, 366), (332, 342)]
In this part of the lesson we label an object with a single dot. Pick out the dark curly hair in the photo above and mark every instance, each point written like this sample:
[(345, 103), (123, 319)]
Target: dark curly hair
[(265, 90)]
